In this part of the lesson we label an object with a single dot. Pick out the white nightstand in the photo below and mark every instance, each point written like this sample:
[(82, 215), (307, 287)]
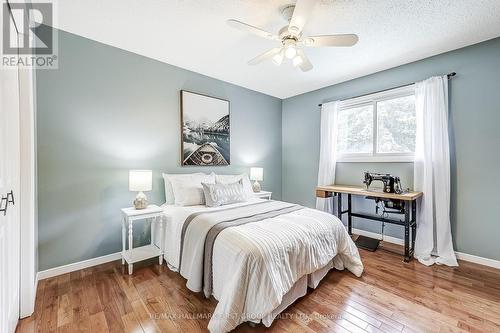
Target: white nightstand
[(133, 255), (263, 195)]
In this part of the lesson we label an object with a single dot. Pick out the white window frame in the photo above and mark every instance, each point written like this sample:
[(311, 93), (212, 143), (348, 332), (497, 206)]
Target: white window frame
[(373, 99)]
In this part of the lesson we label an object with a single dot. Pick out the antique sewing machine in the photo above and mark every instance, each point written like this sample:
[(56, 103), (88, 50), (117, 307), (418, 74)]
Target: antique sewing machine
[(391, 184)]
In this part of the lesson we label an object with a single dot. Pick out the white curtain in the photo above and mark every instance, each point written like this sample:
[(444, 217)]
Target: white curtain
[(328, 151), (433, 244)]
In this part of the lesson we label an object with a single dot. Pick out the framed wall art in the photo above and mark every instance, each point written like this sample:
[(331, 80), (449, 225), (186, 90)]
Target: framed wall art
[(205, 130)]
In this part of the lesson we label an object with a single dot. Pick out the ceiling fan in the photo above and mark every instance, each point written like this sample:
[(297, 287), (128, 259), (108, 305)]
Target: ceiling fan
[(290, 36)]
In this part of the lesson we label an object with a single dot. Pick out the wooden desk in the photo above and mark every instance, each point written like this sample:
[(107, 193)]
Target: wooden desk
[(409, 222)]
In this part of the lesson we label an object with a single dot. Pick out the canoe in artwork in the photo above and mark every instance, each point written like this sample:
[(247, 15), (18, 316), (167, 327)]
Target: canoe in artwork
[(206, 154)]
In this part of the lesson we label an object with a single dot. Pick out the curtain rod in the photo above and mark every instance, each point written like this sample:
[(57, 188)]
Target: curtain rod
[(450, 76)]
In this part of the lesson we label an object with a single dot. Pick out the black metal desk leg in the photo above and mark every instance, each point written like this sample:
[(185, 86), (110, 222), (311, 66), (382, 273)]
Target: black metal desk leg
[(414, 225), (339, 206), (349, 216), (407, 257)]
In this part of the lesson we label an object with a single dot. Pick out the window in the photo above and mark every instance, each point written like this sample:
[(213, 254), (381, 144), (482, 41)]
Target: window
[(355, 133), (378, 127)]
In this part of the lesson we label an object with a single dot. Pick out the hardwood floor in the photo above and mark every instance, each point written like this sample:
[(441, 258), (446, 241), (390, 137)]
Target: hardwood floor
[(391, 296)]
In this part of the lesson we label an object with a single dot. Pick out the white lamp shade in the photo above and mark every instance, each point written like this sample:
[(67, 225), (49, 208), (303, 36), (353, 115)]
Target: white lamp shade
[(257, 174), (140, 180)]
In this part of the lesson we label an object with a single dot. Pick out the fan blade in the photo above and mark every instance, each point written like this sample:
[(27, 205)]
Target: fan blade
[(331, 40), (303, 9), (306, 64), (264, 56), (250, 28)]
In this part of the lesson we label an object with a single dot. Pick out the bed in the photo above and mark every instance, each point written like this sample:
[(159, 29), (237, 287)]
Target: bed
[(264, 257)]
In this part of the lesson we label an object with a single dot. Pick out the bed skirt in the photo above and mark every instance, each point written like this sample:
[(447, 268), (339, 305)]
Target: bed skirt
[(299, 289)]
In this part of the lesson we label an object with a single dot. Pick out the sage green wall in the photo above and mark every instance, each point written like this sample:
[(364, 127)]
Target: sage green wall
[(474, 135), (105, 111)]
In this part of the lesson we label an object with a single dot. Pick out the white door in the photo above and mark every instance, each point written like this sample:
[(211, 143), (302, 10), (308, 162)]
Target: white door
[(9, 181)]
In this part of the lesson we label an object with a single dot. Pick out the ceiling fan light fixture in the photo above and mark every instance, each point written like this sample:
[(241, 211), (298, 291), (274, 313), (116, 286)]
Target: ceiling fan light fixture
[(290, 52), (297, 61), (278, 58), (291, 38)]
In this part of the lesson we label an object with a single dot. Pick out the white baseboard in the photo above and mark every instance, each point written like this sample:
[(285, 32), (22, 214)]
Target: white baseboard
[(462, 256), (375, 235), (478, 260), (77, 266)]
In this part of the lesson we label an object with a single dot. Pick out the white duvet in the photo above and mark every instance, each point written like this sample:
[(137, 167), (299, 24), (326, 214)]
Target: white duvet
[(256, 264)]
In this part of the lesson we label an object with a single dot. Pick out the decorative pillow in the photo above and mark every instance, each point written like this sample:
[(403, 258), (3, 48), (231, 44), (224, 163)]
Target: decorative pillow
[(169, 192), (229, 179), (224, 194), (187, 189)]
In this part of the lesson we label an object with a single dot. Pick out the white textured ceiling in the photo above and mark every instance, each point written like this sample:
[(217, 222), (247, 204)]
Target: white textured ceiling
[(192, 34)]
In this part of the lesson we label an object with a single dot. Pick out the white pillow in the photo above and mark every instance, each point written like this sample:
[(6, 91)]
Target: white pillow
[(223, 194), (169, 192), (188, 190), (229, 179)]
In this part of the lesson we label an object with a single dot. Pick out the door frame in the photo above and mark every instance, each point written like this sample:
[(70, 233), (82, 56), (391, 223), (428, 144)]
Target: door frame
[(28, 214), (27, 198)]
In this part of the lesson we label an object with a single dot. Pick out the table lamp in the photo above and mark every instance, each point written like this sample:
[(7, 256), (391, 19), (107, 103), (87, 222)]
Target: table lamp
[(139, 181), (256, 174)]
